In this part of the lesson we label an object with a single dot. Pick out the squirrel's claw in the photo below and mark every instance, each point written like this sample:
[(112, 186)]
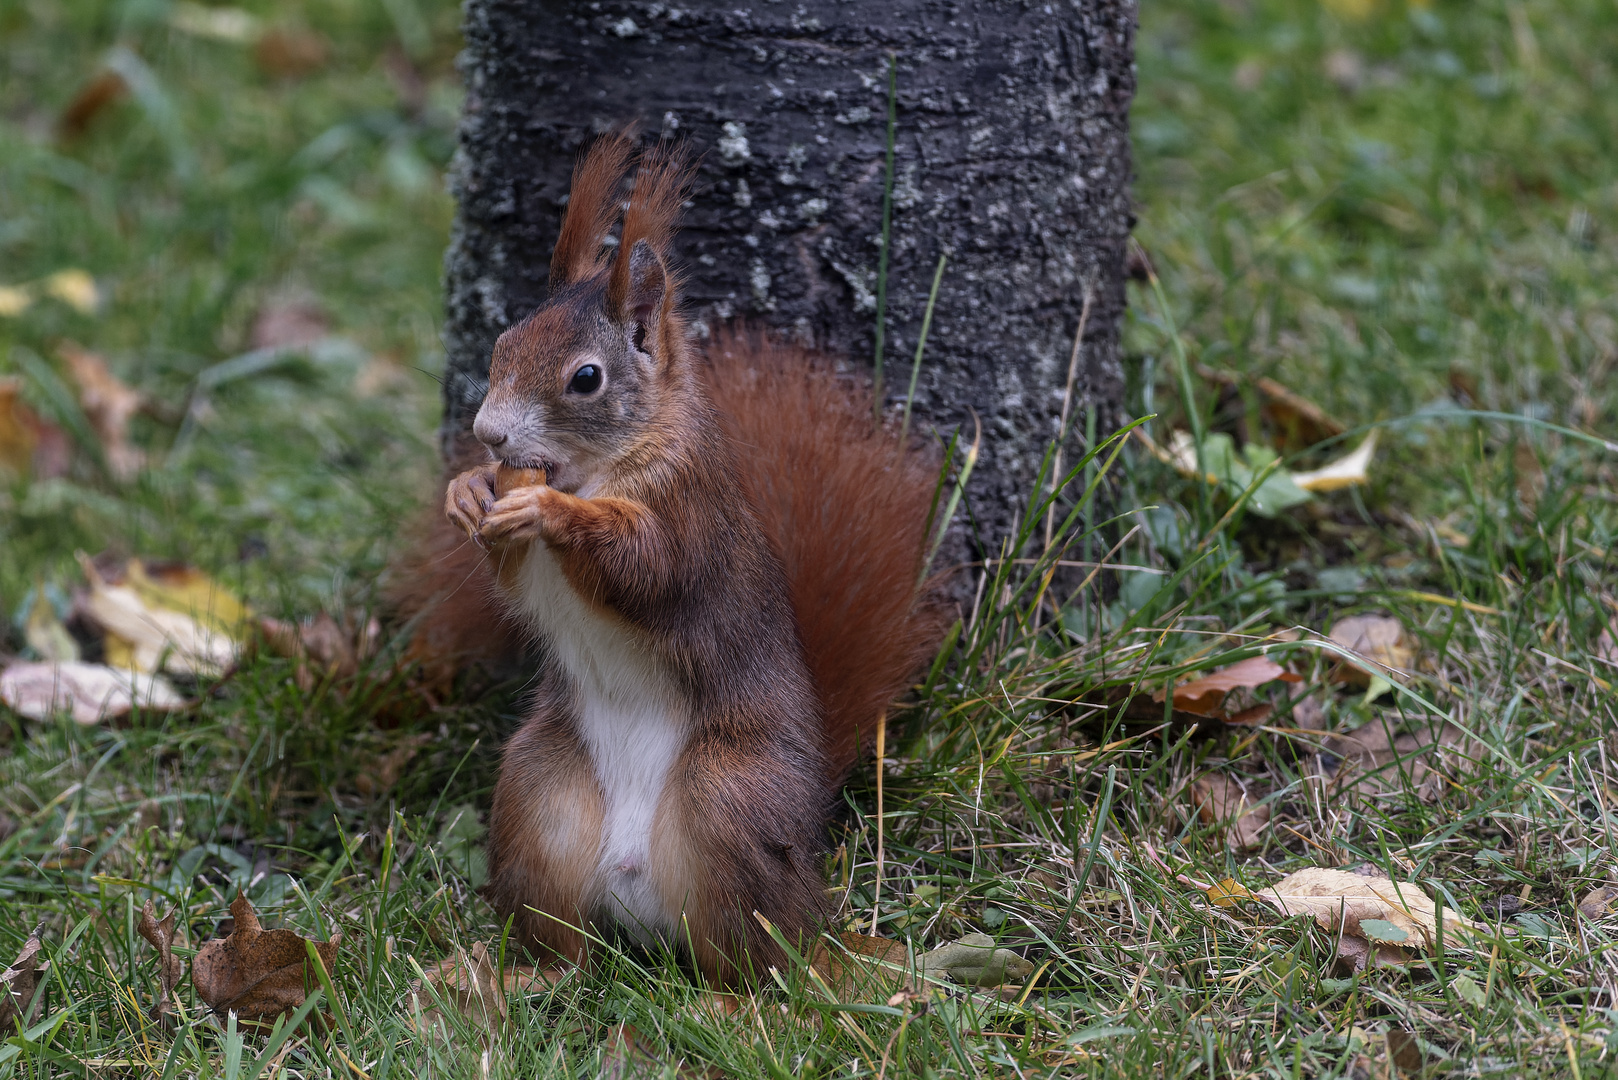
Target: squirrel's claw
[(468, 500), (520, 515)]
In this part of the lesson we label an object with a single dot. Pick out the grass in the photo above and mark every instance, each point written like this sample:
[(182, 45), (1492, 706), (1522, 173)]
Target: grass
[(1406, 213)]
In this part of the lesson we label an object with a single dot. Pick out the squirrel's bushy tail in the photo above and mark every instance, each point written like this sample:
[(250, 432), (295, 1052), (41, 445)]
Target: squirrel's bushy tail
[(847, 508)]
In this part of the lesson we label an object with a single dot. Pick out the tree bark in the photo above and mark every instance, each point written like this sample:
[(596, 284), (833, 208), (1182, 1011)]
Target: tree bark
[(1012, 157)]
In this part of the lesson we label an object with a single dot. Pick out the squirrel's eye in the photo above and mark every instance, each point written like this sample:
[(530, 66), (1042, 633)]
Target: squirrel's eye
[(586, 380)]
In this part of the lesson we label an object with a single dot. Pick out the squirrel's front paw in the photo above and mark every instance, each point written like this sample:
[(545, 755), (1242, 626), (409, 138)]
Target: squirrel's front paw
[(521, 514), (469, 499)]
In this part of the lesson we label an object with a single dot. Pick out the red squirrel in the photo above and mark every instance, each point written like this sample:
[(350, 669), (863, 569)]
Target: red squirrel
[(720, 565)]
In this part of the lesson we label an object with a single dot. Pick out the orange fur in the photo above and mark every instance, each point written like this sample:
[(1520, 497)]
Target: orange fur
[(846, 507), (725, 557), (592, 207)]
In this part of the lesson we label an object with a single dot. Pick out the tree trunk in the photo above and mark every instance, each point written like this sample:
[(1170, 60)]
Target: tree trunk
[(1012, 157)]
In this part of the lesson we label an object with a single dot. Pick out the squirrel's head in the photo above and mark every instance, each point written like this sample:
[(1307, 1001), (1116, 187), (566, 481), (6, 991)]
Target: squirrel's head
[(575, 385)]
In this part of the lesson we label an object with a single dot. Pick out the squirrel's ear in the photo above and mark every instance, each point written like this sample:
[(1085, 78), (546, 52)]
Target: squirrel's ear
[(648, 284)]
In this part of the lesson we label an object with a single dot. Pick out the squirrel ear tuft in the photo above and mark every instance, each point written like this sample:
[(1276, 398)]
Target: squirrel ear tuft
[(648, 284)]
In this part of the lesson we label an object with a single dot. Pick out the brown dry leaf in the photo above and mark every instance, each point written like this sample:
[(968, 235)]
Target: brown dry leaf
[(628, 1056), (1297, 422), (1381, 640), (1356, 954), (1606, 649), (1341, 901), (106, 88), (258, 974), (288, 323), (89, 693), (17, 439), (288, 53), (171, 969), (30, 445), (18, 984), (1206, 694), (1530, 474), (108, 404), (1598, 902), (1221, 800), (1379, 756), (883, 959), (144, 634), (468, 983), (384, 770), (322, 646)]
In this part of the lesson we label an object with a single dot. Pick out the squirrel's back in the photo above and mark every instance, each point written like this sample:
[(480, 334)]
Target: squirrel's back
[(847, 508)]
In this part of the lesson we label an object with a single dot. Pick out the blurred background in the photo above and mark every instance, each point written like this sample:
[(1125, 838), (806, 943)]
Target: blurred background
[(239, 212)]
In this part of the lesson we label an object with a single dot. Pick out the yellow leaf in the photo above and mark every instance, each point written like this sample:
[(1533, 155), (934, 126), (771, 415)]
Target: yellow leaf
[(1339, 901), (188, 591), (75, 288), (146, 638), (1347, 471), (13, 301), (1228, 892)]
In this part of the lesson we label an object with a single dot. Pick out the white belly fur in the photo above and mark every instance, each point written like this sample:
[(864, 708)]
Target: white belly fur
[(633, 724)]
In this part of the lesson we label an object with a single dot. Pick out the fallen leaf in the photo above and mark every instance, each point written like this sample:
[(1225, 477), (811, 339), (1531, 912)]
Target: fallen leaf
[(75, 288), (1606, 649), (288, 323), (170, 968), (1384, 755), (217, 23), (18, 984), (14, 301), (322, 646), (256, 973), (108, 404), (383, 771), (148, 638), (468, 983), (1296, 422), (1530, 474), (1221, 800), (45, 633), (16, 434), (1228, 892), (1598, 902), (287, 53), (30, 445), (1405, 1050), (1349, 470), (1205, 694), (627, 1055), (1380, 640), (106, 88), (1357, 954), (1340, 901), (974, 960), (89, 693), (182, 588)]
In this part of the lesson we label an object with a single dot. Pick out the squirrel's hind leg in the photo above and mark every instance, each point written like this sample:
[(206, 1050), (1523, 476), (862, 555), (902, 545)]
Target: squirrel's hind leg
[(544, 839)]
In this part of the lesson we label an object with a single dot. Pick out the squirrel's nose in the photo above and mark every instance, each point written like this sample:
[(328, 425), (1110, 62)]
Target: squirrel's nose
[(487, 433)]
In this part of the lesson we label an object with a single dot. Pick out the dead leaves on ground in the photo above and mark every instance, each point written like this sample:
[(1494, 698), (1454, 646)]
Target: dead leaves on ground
[(258, 974), (469, 983), (1205, 695), (1378, 921), (88, 693), (1221, 800), (19, 983), (170, 968)]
